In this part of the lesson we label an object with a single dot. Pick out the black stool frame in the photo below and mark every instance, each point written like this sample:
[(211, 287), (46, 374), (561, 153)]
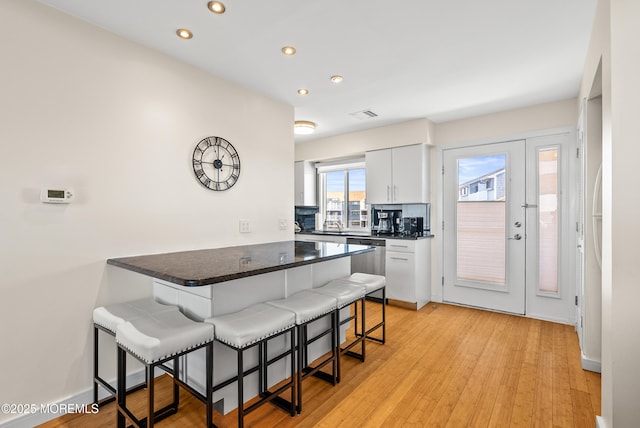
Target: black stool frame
[(304, 369), (172, 408), (99, 381), (263, 363), (346, 350), (382, 323)]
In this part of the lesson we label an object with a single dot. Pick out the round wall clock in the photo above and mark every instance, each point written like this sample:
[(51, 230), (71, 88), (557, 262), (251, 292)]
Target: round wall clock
[(216, 163)]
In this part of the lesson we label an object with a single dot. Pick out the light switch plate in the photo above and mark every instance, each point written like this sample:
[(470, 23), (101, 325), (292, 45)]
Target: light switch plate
[(245, 226), (282, 223)]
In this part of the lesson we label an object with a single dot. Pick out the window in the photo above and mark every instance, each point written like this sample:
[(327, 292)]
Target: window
[(342, 195), (481, 220)]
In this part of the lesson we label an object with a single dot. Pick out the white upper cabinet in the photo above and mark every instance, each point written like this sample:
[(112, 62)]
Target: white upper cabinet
[(305, 183), (399, 175), (379, 177)]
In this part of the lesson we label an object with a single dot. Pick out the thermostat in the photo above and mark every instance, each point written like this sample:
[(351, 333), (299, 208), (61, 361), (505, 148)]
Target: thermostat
[(56, 196)]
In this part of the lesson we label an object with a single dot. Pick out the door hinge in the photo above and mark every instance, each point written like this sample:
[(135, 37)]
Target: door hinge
[(442, 169), (578, 152), (576, 300), (442, 224), (443, 281)]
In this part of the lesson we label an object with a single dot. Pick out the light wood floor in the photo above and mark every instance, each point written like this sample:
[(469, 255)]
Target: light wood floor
[(442, 366)]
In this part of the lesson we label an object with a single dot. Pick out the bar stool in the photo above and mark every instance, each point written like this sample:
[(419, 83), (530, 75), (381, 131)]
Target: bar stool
[(309, 307), (255, 326), (346, 293), (372, 283), (107, 319), (154, 340)]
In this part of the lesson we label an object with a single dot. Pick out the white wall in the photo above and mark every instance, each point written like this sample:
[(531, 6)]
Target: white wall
[(118, 123), (508, 123), (615, 29)]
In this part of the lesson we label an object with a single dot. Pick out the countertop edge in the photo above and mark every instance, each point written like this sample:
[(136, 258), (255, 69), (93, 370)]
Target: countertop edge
[(222, 278)]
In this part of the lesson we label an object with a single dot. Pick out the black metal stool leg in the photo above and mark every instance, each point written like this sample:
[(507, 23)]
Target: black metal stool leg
[(95, 364), (150, 396), (209, 385), (240, 390), (122, 387)]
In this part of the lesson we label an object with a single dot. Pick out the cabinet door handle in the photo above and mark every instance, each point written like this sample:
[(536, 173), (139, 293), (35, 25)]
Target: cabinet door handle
[(395, 192), (388, 193), (399, 246), (398, 258)]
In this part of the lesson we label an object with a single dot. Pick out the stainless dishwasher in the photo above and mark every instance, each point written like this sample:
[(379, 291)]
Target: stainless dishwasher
[(371, 262)]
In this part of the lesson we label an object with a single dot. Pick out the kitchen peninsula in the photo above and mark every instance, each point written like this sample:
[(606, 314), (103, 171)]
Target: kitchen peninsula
[(211, 282)]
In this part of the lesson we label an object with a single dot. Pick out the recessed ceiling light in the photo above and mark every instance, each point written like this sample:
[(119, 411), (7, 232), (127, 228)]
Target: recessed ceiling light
[(303, 127), (289, 50), (336, 78), (216, 7), (184, 33), (303, 91)]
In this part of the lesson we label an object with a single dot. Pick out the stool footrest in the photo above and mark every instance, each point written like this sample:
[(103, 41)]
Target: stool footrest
[(324, 376), (158, 415)]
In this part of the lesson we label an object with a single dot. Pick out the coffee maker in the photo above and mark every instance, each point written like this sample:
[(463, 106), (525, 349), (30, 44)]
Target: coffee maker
[(385, 222)]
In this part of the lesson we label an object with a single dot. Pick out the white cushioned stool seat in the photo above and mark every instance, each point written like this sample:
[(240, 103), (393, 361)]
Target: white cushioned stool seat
[(111, 316), (108, 318), (344, 291), (253, 327), (250, 325), (370, 281), (161, 335), (155, 339), (306, 305)]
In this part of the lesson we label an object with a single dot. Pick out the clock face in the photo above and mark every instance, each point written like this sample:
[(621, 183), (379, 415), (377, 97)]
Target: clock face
[(216, 163)]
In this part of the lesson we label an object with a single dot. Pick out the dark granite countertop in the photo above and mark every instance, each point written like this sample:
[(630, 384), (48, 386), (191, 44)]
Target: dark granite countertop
[(203, 267)]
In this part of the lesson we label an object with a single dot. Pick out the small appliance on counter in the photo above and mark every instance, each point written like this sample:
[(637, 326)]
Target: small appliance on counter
[(413, 226), (385, 222), (305, 217)]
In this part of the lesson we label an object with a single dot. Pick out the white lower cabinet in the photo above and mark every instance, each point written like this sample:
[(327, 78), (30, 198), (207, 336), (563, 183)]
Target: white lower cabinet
[(407, 272)]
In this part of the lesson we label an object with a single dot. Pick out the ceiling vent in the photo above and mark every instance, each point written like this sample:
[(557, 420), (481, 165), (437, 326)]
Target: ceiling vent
[(364, 114)]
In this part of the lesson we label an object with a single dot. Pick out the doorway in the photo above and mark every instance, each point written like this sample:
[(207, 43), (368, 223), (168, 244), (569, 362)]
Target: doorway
[(506, 230)]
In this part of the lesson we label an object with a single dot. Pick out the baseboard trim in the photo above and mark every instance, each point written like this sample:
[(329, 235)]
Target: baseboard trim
[(591, 365), (81, 401), (401, 304)]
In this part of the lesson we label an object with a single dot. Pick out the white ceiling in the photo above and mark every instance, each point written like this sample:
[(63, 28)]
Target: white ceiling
[(402, 59)]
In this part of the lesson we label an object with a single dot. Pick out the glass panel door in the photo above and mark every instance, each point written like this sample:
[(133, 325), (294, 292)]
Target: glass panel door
[(484, 226)]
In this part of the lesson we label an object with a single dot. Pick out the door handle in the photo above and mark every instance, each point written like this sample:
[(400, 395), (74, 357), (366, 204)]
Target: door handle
[(516, 237)]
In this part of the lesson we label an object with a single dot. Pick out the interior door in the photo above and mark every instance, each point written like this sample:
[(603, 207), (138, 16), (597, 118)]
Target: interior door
[(484, 230)]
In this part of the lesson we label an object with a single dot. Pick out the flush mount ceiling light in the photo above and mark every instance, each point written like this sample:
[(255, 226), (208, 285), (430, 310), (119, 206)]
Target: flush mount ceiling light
[(288, 50), (336, 78), (303, 91), (216, 7), (184, 33), (303, 127)]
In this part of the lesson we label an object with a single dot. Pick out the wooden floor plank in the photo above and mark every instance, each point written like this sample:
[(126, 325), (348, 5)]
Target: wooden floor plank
[(441, 366)]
